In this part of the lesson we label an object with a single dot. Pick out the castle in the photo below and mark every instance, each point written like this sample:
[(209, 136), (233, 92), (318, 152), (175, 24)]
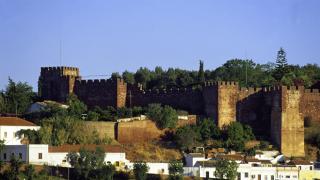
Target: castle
[(276, 112)]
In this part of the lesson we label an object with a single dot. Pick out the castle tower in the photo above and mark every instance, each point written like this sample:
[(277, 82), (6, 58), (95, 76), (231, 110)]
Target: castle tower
[(220, 101), (56, 83), (121, 93), (227, 102), (287, 125)]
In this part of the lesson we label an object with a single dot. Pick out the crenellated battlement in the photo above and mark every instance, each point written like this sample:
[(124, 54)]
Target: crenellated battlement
[(312, 91), (250, 90), (220, 83), (60, 71), (172, 91)]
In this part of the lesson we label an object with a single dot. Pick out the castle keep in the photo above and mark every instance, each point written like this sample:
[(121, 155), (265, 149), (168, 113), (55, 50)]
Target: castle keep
[(277, 112)]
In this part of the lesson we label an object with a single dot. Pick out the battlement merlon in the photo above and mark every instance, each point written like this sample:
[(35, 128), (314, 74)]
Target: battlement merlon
[(221, 83), (60, 71)]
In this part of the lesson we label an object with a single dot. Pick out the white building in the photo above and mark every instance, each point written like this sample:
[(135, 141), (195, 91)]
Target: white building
[(31, 153), (40, 154), (9, 126)]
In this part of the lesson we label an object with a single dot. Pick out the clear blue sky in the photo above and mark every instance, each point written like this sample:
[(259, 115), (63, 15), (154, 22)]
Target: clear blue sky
[(104, 36)]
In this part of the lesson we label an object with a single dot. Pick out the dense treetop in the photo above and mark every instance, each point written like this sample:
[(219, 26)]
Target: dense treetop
[(244, 71)]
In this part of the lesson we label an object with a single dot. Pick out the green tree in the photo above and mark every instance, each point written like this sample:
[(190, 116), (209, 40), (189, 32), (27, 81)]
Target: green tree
[(208, 130), (76, 107), (175, 170), (281, 65), (154, 111), (93, 116), (186, 137), (3, 107), (237, 135), (168, 118), (86, 162), (2, 146), (30, 172), (201, 77), (128, 77), (143, 76), (106, 172), (31, 135), (14, 169), (140, 170), (226, 169), (18, 97)]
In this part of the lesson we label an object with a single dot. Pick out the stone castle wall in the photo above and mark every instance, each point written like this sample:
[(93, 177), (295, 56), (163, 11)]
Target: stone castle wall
[(184, 99), (310, 105), (275, 112)]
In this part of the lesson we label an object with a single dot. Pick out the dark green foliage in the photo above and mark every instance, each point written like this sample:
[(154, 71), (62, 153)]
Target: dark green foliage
[(124, 112), (226, 169), (209, 130), (61, 130), (93, 116), (201, 77), (250, 151), (282, 65), (90, 164), (16, 98), (237, 135), (164, 117), (154, 111), (187, 137), (140, 170), (264, 145), (13, 171), (76, 107), (312, 134), (128, 77), (29, 172), (175, 170), (31, 135), (106, 172), (232, 137)]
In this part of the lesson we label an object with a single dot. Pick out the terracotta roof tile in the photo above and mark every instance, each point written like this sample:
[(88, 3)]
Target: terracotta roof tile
[(90, 147), (14, 121)]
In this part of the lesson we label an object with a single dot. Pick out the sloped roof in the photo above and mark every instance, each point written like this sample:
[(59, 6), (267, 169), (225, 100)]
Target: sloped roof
[(299, 162), (90, 147), (14, 121), (235, 157)]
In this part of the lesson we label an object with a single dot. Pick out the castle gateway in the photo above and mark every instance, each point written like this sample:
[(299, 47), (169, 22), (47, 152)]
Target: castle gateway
[(277, 112)]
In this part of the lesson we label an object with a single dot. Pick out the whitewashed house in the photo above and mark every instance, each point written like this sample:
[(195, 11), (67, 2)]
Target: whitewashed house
[(40, 154), (113, 154), (9, 126)]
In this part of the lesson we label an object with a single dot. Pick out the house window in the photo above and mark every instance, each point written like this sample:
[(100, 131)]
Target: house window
[(4, 156), (5, 134), (288, 177), (265, 177), (39, 155), (12, 154), (272, 177), (246, 174), (310, 167), (20, 155)]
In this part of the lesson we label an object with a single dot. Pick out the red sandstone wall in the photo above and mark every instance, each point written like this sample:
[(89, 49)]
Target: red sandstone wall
[(310, 105), (185, 99), (101, 93)]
